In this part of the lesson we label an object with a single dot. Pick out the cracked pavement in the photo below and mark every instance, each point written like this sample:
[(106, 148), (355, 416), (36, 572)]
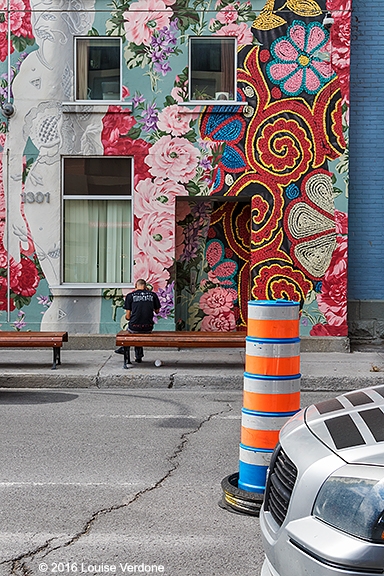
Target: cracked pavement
[(99, 478)]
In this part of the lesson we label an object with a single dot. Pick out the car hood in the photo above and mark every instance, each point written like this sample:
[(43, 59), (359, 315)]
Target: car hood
[(351, 425)]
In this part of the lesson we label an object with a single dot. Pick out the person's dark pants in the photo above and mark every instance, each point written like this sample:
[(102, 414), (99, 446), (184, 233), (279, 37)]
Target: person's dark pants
[(139, 350)]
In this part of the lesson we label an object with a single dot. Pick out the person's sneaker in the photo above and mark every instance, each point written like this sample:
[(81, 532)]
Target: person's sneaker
[(120, 350), (138, 360)]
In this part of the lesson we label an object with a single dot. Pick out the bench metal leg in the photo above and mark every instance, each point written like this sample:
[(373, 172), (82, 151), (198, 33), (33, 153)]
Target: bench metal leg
[(56, 358), (127, 358)]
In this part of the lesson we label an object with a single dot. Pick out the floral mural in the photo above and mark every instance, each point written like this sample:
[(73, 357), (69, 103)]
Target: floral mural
[(231, 200)]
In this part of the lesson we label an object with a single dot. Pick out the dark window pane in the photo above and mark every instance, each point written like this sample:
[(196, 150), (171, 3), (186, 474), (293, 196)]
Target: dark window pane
[(98, 69), (98, 176), (212, 68)]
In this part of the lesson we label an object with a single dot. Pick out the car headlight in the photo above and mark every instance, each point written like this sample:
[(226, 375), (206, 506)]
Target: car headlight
[(354, 505)]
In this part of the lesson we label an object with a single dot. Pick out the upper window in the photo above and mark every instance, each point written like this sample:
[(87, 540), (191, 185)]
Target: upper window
[(97, 220), (212, 68), (98, 68)]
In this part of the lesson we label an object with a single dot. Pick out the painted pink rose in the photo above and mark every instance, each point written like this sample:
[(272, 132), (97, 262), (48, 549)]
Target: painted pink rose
[(174, 120), (144, 17), (155, 236), (340, 42), (241, 31), (151, 270), (173, 158), (20, 18), (332, 300), (341, 221), (227, 15), (4, 296), (158, 195), (216, 301), (24, 278), (328, 330), (219, 323), (20, 23)]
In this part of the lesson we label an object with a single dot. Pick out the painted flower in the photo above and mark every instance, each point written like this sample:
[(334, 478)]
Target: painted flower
[(4, 296), (297, 64), (158, 195), (115, 142), (219, 323), (241, 31), (20, 24), (116, 123), (174, 120), (340, 42), (166, 297), (227, 15), (216, 301), (332, 300), (155, 236), (150, 269), (341, 221), (173, 158), (26, 278), (144, 17)]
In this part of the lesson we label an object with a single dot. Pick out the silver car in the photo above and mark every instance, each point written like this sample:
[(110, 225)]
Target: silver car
[(323, 511)]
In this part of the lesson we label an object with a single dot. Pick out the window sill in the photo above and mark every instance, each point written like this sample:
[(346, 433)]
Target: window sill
[(96, 106), (86, 289)]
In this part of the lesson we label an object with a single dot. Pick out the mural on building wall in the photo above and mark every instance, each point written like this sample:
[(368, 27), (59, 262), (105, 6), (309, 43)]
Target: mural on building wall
[(282, 152)]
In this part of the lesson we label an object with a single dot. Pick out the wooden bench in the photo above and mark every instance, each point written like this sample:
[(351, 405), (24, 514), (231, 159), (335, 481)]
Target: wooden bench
[(179, 339), (52, 340)]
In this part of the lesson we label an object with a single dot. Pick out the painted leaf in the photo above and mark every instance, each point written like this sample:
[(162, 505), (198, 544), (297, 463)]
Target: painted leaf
[(232, 159), (304, 8), (268, 21), (226, 269), (230, 131), (214, 252), (214, 122)]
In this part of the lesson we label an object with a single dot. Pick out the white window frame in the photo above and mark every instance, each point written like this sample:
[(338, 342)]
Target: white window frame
[(130, 198), (212, 101), (96, 38)]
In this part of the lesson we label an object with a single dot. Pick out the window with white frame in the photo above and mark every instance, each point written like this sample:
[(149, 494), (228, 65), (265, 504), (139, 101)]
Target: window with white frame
[(97, 220), (212, 68), (98, 68)]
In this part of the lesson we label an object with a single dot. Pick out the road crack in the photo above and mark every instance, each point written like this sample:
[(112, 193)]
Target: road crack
[(19, 566)]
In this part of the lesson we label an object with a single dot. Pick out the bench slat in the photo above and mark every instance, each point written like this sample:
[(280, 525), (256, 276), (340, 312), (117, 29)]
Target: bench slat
[(32, 339), (52, 340), (182, 339)]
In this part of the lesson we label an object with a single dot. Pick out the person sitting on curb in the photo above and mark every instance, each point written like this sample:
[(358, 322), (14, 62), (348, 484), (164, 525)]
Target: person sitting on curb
[(140, 305)]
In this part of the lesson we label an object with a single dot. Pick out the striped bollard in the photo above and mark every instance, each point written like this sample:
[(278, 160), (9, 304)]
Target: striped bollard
[(271, 396)]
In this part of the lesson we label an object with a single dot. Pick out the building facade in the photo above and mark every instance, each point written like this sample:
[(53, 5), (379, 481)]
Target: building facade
[(202, 146), (366, 199)]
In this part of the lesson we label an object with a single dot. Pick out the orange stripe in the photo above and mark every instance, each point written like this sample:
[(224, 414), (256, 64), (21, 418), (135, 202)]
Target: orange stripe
[(266, 366), (259, 438), (273, 328), (271, 402)]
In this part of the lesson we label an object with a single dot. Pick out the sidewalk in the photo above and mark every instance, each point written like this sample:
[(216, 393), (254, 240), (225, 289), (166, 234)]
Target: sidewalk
[(31, 368)]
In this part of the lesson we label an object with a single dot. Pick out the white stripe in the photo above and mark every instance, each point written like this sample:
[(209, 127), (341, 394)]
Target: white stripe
[(273, 312), (262, 386), (275, 350), (255, 457), (256, 422)]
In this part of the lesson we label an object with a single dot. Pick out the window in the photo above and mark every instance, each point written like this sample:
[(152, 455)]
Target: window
[(98, 68), (97, 220), (212, 68)]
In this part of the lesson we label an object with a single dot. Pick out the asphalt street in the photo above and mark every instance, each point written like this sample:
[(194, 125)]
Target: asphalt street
[(123, 481)]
